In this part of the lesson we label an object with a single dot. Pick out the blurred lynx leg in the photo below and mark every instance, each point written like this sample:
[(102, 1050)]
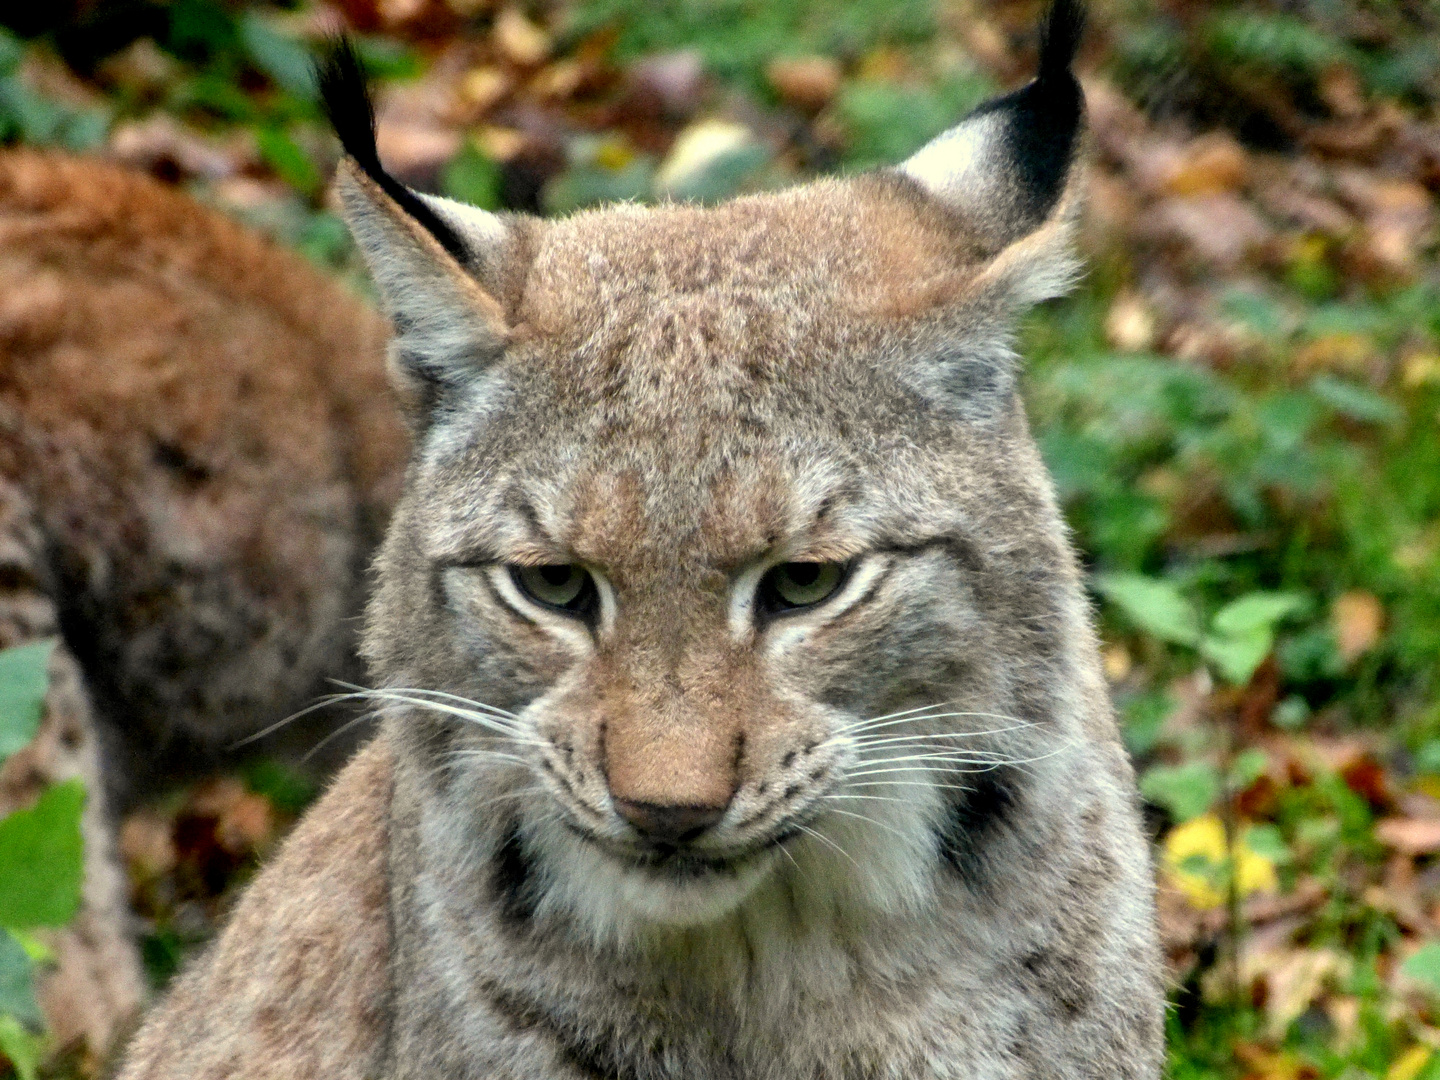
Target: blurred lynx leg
[(96, 984)]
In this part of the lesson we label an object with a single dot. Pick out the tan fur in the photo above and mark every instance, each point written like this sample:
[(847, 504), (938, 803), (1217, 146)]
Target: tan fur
[(202, 426), (327, 885), (198, 453)]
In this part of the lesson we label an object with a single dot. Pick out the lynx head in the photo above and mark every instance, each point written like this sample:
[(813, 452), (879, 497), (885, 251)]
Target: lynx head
[(725, 556)]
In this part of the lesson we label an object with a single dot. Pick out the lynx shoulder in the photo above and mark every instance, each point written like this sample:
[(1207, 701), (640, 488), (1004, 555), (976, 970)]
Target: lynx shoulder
[(743, 718), (198, 453)]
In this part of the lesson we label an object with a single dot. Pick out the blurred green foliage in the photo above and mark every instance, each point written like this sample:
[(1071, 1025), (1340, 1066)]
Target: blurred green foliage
[(737, 38), (41, 861)]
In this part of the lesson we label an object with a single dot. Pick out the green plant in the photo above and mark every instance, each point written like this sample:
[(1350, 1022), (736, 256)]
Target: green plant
[(41, 862)]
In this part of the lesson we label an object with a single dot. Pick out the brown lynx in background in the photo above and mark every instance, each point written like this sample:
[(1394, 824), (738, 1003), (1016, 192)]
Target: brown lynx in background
[(197, 456), (743, 715)]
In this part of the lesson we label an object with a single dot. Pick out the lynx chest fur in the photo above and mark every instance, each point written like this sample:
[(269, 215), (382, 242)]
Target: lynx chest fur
[(743, 717)]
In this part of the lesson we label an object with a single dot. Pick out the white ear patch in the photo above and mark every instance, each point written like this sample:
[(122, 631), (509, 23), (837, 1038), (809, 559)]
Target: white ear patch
[(953, 166), (481, 230)]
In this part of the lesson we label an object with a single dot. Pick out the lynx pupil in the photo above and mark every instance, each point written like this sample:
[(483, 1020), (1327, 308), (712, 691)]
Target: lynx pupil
[(557, 585), (800, 584)]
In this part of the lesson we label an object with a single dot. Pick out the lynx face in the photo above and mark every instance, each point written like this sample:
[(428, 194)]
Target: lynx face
[(727, 569)]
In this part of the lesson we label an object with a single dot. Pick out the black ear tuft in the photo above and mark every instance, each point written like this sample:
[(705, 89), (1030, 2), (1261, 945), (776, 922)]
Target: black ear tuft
[(346, 99), (1042, 127), (1060, 40)]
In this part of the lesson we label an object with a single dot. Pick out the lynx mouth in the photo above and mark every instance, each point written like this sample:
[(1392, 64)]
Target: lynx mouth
[(685, 864)]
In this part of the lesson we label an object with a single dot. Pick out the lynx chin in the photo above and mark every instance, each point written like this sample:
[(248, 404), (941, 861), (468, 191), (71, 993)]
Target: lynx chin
[(742, 713)]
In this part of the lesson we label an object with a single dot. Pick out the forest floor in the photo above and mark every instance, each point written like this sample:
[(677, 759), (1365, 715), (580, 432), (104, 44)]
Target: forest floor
[(1240, 403)]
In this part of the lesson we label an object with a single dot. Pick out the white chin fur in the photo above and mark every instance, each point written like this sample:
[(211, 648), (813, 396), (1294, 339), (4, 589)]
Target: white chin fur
[(881, 864), (614, 901)]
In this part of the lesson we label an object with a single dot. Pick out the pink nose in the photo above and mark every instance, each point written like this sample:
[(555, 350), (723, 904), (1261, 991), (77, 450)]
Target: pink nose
[(670, 825)]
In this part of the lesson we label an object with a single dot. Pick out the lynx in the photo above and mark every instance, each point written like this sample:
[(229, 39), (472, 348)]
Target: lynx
[(197, 457), (743, 717)]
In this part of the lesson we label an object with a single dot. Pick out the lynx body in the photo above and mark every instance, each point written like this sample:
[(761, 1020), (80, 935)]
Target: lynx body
[(743, 716), (198, 453)]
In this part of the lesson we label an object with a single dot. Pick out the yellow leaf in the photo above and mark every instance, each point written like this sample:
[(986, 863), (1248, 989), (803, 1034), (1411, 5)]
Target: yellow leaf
[(1254, 872), (1203, 839), (1408, 1065)]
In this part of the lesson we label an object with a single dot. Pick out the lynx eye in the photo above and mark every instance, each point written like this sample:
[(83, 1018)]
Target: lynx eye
[(563, 586), (794, 585)]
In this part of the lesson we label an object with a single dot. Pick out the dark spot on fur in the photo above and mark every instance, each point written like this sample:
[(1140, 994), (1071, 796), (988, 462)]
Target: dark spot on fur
[(976, 815), (15, 579), (511, 882), (1063, 976), (788, 759), (790, 792), (603, 1053), (176, 460)]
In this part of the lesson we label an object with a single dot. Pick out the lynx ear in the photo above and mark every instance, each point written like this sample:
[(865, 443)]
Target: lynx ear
[(428, 256), (1007, 170)]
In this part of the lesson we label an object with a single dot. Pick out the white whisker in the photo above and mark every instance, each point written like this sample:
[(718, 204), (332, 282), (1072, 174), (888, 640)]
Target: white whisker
[(882, 740), (469, 752), (808, 831), (421, 691), (868, 820), (321, 703), (893, 715)]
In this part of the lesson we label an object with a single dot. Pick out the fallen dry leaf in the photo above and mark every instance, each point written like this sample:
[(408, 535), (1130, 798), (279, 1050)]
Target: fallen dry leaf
[(147, 844), (1221, 229), (1413, 836), (246, 825), (1343, 352), (1357, 619), (519, 40), (1293, 979), (1209, 165), (806, 82), (1130, 324), (484, 87)]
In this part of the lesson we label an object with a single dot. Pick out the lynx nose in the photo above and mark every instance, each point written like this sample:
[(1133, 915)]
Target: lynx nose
[(668, 825)]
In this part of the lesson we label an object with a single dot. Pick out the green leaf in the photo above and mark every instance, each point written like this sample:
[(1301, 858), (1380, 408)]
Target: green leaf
[(1257, 611), (12, 51), (1145, 717), (24, 678), (17, 988), (1267, 840), (287, 789), (1244, 632), (286, 61), (1424, 965), (1154, 606), (290, 163), (472, 177), (1356, 402), (1247, 768), (22, 1048), (1186, 791), (42, 859), (1236, 658)]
